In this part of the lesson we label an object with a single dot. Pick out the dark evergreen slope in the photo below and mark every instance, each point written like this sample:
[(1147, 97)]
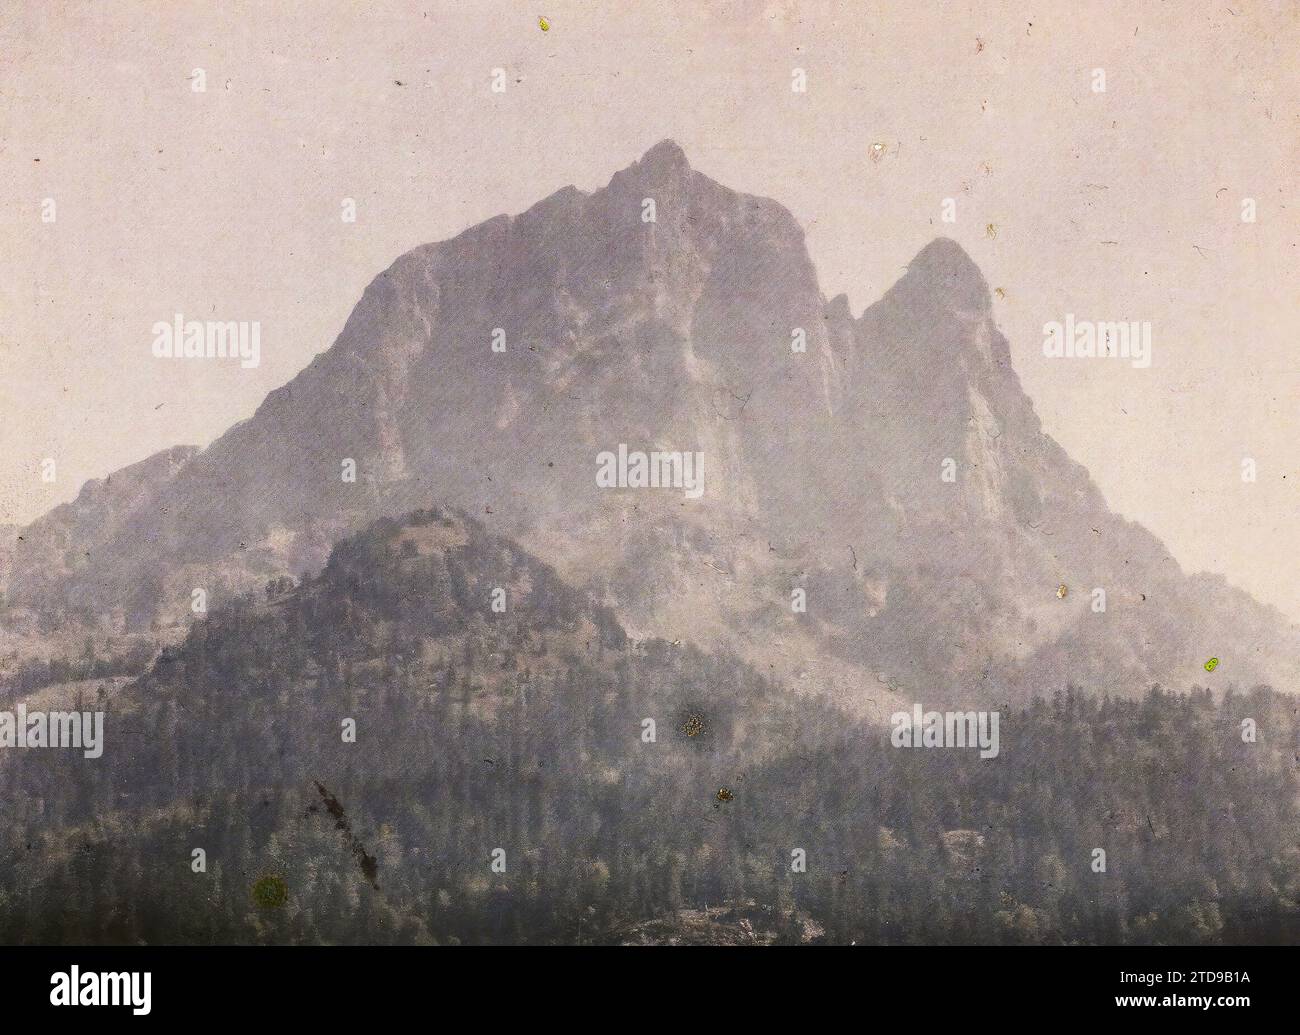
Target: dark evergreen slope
[(522, 730)]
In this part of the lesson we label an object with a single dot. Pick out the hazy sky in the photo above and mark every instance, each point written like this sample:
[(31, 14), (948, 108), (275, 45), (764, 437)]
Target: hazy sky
[(225, 204)]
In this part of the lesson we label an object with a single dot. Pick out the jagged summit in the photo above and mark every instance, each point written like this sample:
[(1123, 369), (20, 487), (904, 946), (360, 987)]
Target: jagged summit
[(943, 272), (662, 168), (667, 154)]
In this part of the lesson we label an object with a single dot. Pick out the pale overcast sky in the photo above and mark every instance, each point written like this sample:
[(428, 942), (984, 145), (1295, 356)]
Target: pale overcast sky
[(1116, 205)]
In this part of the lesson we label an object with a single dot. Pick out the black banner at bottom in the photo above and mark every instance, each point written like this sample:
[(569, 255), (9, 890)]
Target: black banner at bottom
[(145, 985)]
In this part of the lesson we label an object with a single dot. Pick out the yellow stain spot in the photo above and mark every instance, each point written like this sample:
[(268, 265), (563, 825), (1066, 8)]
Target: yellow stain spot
[(1211, 665), (1000, 293), (544, 25), (1061, 591), (724, 794), (991, 230), (877, 151)]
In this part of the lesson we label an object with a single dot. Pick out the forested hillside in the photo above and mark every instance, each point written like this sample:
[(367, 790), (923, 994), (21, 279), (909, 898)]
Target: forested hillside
[(522, 729)]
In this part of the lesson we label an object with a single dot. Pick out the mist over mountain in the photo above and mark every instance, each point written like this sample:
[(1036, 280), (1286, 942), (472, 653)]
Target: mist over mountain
[(822, 467)]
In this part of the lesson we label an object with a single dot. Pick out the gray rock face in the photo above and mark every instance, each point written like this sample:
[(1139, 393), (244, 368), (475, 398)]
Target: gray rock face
[(822, 467)]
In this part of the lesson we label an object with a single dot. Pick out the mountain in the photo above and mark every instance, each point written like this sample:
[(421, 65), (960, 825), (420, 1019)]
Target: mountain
[(822, 467), (54, 549)]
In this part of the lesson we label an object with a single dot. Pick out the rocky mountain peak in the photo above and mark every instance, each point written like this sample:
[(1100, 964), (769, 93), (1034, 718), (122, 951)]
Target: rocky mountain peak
[(665, 158), (942, 275)]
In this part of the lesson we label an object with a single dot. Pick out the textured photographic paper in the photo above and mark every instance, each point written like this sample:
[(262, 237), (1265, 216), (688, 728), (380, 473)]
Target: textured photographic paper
[(619, 473)]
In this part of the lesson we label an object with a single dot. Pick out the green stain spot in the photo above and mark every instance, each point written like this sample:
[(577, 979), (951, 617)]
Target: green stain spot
[(271, 892), (1211, 665)]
